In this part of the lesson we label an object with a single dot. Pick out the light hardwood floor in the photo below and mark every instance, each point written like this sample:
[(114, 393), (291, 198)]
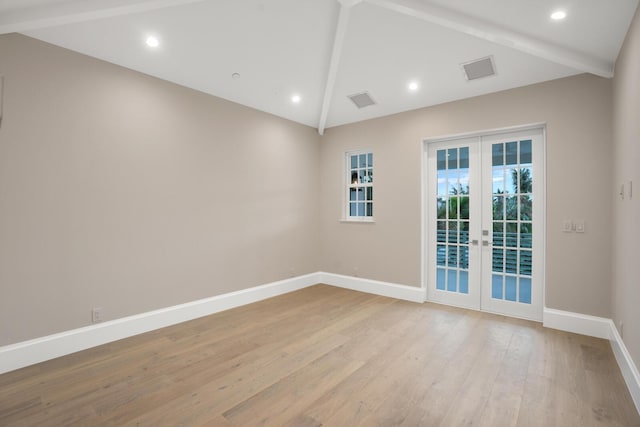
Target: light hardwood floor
[(331, 357)]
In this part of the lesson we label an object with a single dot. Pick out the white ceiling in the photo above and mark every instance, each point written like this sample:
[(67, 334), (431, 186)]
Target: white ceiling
[(324, 50)]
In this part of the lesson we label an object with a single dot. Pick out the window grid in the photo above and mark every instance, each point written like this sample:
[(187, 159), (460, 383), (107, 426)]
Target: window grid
[(360, 185), (452, 242), (512, 221)]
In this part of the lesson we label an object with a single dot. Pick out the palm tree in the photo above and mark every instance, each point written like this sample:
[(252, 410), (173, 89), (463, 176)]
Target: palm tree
[(524, 190), (526, 181)]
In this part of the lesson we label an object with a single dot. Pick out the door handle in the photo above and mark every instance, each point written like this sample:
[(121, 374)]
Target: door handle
[(473, 242), (486, 243)]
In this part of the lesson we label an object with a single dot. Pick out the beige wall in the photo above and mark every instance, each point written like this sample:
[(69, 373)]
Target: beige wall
[(126, 192), (626, 131), (577, 112)]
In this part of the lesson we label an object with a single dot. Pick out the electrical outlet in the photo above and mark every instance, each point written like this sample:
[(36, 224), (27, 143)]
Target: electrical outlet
[(96, 314)]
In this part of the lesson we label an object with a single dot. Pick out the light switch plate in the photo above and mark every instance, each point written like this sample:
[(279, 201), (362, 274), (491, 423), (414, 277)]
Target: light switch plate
[(579, 226), (567, 226)]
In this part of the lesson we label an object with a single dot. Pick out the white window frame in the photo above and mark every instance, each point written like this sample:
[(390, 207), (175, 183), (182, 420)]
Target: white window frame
[(347, 186)]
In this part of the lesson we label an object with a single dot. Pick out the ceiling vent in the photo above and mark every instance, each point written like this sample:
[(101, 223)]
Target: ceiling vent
[(362, 99), (479, 68)]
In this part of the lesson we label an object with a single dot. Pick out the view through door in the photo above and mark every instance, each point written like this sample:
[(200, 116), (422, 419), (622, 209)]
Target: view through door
[(484, 197)]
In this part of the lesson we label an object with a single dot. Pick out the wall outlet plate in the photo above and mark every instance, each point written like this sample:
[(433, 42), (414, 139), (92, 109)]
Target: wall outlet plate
[(96, 314)]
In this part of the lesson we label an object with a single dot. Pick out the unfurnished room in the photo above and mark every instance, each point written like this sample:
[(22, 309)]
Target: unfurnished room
[(315, 213)]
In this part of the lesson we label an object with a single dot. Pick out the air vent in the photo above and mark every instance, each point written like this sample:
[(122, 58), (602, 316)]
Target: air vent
[(479, 68), (362, 99)]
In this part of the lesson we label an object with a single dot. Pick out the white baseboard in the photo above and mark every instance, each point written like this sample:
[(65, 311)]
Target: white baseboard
[(19, 355), (393, 290), (598, 327), (16, 356), (577, 323), (38, 350), (628, 368)]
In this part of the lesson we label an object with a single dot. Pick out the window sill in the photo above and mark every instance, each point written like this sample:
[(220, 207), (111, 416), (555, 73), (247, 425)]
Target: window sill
[(358, 221)]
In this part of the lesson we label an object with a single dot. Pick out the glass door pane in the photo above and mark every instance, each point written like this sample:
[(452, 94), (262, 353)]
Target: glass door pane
[(453, 190), (513, 215), (453, 220), (512, 198), (485, 213)]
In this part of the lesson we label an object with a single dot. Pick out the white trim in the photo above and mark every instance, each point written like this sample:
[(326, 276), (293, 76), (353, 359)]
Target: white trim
[(537, 129), (534, 309), (599, 327), (376, 287), (334, 61), (16, 356), (485, 30), (471, 299), (543, 261), (627, 367), (19, 355), (49, 14), (424, 210), (488, 132), (346, 186), (577, 323)]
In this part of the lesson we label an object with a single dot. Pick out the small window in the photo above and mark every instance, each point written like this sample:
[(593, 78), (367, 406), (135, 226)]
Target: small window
[(359, 189)]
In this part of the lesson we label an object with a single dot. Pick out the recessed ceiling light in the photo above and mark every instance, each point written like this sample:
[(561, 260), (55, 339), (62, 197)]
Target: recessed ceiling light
[(558, 15), (413, 86), (235, 76), (152, 41), (295, 99)]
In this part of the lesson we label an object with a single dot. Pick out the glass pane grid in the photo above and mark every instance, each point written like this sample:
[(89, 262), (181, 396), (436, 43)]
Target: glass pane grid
[(512, 175), (452, 205), (360, 188)]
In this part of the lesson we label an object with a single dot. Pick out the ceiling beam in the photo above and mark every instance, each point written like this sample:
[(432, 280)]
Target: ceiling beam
[(338, 42), (487, 31), (73, 11)]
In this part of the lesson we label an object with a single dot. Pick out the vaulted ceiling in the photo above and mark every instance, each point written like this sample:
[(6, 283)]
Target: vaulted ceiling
[(261, 53)]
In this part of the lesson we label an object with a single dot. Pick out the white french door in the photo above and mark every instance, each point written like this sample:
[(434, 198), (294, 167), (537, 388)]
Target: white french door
[(485, 222)]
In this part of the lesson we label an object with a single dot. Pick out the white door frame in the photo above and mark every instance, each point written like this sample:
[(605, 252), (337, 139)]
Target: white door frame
[(472, 298), (426, 203)]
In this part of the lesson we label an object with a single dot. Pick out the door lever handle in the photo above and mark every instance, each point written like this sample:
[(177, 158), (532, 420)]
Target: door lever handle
[(473, 242), (486, 243)]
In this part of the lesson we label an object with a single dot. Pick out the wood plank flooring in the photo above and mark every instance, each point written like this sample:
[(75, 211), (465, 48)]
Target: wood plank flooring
[(325, 356)]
